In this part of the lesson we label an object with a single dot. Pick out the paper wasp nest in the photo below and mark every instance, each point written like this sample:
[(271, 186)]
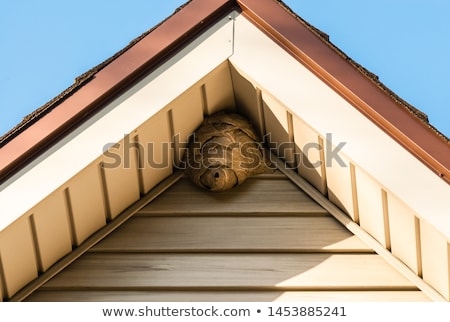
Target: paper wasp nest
[(224, 151)]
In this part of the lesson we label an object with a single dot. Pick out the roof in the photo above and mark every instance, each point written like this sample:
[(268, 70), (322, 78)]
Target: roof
[(405, 123), (218, 51)]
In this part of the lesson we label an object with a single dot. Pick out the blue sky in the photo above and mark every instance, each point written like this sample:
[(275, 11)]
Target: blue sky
[(46, 44)]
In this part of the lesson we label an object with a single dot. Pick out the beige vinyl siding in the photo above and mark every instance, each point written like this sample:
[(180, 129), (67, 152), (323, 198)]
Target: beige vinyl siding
[(18, 257), (291, 233), (404, 229), (117, 176), (234, 296), (310, 154), (45, 235), (240, 245), (435, 258), (372, 216), (85, 203), (153, 140)]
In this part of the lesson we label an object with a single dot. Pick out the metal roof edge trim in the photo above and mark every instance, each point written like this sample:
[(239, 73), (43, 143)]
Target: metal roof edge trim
[(113, 76), (405, 124)]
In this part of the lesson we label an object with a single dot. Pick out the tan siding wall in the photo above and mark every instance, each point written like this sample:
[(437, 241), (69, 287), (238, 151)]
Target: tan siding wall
[(370, 208), (310, 154), (86, 204), (264, 240), (405, 234), (277, 126), (156, 156), (340, 184), (218, 90), (1, 282), (186, 116), (248, 100), (51, 230), (118, 176), (436, 259), (18, 258)]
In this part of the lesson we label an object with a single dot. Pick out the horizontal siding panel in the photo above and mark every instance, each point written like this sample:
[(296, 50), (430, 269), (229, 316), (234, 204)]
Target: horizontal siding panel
[(241, 234), (233, 271), (253, 196), (228, 296)]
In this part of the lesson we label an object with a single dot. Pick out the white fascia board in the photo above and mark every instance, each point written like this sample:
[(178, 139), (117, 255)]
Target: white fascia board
[(278, 73), (69, 156)]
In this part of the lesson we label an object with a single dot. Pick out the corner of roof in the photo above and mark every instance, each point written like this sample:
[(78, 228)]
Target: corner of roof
[(79, 82), (324, 37)]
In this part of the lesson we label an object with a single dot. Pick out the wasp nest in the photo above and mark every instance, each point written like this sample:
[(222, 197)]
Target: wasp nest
[(224, 151)]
